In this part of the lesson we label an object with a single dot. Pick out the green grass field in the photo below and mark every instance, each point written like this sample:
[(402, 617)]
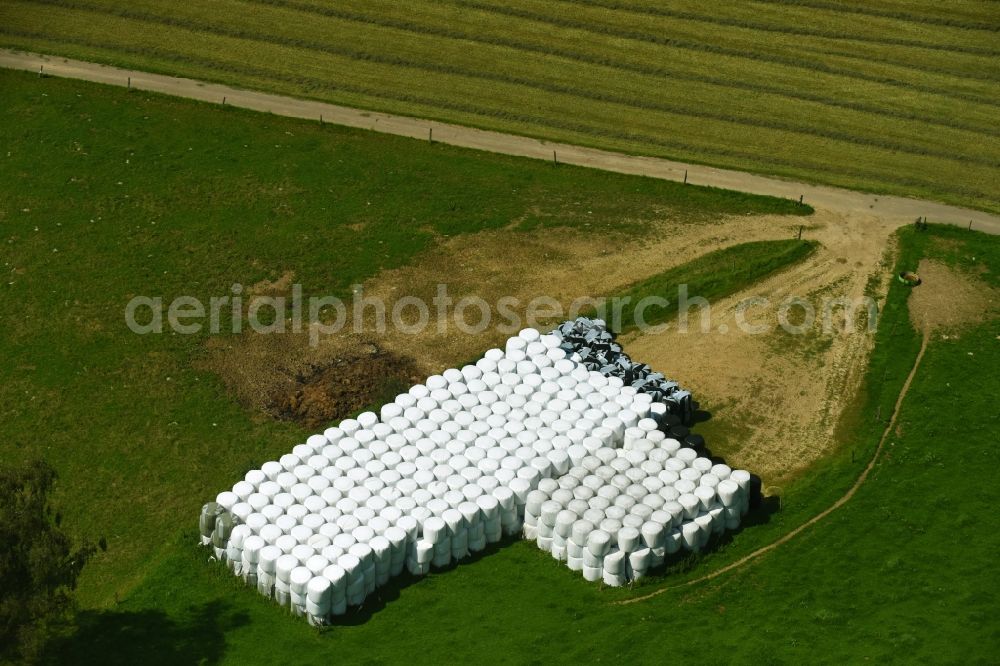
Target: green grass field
[(900, 97), (105, 194), (903, 573), (713, 275)]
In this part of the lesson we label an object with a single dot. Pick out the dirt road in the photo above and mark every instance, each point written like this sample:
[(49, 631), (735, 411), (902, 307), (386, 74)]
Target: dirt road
[(783, 394), (840, 201)]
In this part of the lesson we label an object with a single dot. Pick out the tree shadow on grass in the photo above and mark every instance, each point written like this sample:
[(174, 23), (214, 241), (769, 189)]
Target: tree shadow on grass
[(148, 637)]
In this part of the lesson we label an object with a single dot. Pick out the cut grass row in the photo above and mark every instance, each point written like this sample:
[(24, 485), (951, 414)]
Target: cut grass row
[(737, 90), (711, 276), (485, 66), (749, 44), (486, 63), (804, 21), (908, 550), (964, 14), (106, 194), (669, 62)]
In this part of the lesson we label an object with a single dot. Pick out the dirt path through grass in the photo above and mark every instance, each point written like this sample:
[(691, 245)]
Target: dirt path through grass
[(818, 517), (843, 201), (776, 397)]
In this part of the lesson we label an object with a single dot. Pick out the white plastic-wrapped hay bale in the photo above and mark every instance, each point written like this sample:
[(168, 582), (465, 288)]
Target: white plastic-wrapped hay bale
[(435, 532), (319, 599), (298, 582), (338, 588), (396, 536), (691, 535), (284, 566), (252, 546), (615, 569), (512, 507), (267, 569), (459, 532), (488, 525), (742, 479), (524, 441), (629, 539), (382, 556), (704, 524), (639, 562), (354, 578), (598, 546)]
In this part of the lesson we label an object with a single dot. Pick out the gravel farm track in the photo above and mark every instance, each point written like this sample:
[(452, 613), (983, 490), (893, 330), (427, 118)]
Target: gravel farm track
[(840, 201)]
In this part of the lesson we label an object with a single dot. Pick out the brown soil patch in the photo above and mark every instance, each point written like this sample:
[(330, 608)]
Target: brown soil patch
[(282, 377), (775, 397), (563, 264), (947, 299), (779, 396), (346, 386), (278, 287)]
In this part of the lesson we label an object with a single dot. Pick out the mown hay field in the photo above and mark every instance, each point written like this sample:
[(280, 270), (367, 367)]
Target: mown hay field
[(899, 98)]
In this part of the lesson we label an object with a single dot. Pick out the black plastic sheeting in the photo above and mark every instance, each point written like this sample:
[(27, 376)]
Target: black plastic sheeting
[(591, 339)]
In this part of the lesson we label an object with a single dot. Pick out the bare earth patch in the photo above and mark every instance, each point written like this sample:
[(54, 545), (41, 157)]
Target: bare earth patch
[(280, 374), (948, 300), (278, 287), (346, 385), (779, 396)]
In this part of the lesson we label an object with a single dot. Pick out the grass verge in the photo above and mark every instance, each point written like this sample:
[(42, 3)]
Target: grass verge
[(711, 276)]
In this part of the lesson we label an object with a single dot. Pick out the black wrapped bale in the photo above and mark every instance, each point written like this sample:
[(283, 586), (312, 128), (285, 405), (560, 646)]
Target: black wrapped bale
[(598, 351)]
